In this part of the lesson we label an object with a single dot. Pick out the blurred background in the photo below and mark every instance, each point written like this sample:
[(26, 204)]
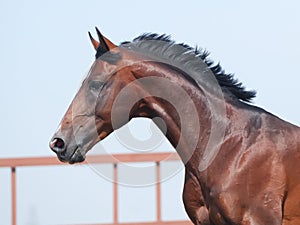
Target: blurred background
[(45, 52)]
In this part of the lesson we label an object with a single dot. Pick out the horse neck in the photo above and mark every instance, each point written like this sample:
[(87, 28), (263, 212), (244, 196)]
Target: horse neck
[(180, 104)]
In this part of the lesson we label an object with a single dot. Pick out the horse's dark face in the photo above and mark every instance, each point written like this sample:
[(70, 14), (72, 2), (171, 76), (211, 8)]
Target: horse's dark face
[(88, 118), (81, 127)]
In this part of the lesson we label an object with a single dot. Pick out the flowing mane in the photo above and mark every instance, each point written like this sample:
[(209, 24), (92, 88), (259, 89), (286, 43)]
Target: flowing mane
[(226, 80)]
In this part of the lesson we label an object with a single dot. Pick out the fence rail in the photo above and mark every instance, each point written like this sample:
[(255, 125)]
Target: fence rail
[(14, 163)]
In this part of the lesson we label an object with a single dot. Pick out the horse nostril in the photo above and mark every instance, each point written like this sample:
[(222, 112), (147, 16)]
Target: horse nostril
[(57, 145)]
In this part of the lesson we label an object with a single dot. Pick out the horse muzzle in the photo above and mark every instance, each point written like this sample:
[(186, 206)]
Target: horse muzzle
[(66, 153)]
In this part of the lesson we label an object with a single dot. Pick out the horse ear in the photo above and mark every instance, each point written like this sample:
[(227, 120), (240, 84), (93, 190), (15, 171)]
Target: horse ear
[(94, 42), (105, 43)]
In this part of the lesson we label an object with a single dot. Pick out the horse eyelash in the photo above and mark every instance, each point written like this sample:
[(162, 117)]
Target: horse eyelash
[(95, 85)]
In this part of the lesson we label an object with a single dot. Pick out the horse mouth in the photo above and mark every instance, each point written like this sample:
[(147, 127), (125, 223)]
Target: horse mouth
[(76, 157)]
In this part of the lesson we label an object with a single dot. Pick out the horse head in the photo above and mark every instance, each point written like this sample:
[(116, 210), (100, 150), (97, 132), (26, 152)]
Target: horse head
[(88, 118)]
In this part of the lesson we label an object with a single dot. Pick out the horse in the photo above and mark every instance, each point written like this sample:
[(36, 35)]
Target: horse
[(241, 162)]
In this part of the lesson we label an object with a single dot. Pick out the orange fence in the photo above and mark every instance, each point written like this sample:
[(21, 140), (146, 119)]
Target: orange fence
[(13, 163)]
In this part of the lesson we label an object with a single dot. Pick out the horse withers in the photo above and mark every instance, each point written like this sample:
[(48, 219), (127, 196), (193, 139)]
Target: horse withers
[(241, 162)]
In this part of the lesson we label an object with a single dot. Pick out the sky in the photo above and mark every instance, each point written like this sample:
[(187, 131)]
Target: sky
[(45, 53)]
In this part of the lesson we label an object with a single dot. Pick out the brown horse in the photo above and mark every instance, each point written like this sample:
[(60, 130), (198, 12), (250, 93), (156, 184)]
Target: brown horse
[(241, 162)]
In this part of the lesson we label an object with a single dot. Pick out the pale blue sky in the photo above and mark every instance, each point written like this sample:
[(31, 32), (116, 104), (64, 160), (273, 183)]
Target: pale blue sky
[(45, 52)]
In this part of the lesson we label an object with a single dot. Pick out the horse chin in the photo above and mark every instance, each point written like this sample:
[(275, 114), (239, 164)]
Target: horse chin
[(76, 157)]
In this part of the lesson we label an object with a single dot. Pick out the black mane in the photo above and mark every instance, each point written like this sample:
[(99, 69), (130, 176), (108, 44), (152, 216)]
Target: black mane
[(225, 80)]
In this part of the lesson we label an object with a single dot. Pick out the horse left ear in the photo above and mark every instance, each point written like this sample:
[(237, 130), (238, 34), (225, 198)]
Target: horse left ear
[(94, 42), (105, 43)]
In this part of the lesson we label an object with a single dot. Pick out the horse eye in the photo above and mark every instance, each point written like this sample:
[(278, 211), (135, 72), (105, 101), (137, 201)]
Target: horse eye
[(95, 85)]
